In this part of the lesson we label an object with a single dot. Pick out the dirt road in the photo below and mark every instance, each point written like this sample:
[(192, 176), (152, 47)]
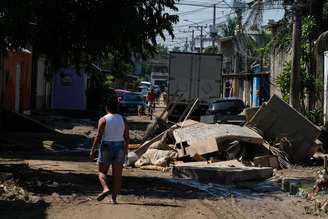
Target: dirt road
[(61, 188), (64, 184)]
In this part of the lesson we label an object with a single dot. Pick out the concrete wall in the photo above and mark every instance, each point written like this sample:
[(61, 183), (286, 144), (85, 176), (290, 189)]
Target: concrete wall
[(69, 90), (278, 58)]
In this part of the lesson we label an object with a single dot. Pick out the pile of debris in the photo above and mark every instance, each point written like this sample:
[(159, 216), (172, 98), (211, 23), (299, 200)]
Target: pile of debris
[(11, 191), (320, 206), (274, 136)]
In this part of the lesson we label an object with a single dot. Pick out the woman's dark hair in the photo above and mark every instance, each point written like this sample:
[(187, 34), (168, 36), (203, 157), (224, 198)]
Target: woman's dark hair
[(112, 104)]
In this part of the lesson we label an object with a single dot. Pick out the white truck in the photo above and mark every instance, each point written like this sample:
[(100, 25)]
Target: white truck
[(194, 75)]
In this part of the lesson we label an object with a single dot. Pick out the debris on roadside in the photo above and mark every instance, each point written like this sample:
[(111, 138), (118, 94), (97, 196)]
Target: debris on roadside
[(275, 136), (221, 173), (266, 161), (156, 157), (318, 208), (277, 120), (153, 167), (250, 112), (204, 138), (282, 157), (134, 146), (321, 182)]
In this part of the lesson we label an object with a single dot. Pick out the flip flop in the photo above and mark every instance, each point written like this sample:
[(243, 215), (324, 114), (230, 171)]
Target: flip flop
[(102, 195)]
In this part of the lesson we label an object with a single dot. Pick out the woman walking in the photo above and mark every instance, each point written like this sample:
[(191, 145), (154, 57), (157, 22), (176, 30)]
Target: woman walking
[(113, 137)]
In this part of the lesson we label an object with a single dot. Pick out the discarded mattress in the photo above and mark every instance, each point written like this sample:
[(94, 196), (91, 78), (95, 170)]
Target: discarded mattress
[(156, 157)]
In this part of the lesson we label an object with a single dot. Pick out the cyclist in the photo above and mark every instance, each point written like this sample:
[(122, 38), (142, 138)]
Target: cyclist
[(151, 98)]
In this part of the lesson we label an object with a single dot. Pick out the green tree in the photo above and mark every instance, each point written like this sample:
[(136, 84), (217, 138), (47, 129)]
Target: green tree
[(283, 81), (211, 50), (75, 31), (176, 49), (162, 50), (325, 9), (228, 28)]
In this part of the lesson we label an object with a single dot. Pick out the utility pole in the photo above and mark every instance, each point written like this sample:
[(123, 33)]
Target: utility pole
[(295, 76), (192, 40), (214, 24), (201, 39), (201, 35), (186, 45)]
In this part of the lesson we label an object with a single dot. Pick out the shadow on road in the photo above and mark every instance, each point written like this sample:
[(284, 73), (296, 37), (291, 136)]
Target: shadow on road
[(152, 204), (21, 209), (43, 182)]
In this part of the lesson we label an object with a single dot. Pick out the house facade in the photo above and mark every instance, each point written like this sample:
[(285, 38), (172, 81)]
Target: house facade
[(16, 76), (241, 77), (69, 89)]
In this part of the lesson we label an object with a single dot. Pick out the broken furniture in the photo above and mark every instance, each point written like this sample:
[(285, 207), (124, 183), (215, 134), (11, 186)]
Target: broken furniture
[(276, 120)]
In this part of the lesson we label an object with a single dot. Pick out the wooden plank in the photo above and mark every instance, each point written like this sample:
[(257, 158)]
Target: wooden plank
[(144, 147), (185, 111), (190, 111)]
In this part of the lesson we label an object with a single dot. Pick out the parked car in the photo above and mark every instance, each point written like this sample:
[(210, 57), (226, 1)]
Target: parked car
[(130, 102), (226, 106), (145, 84), (121, 92)]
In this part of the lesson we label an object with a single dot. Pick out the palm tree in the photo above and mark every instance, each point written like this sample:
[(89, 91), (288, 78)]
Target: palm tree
[(254, 20), (255, 17), (228, 28), (317, 9)]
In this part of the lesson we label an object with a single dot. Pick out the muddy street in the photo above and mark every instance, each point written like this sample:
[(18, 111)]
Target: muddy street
[(64, 184), (59, 188)]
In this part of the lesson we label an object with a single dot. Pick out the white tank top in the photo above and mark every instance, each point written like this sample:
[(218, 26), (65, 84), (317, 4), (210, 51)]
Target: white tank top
[(114, 130)]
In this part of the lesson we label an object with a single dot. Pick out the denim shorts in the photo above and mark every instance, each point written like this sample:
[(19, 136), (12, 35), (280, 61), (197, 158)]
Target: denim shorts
[(111, 152)]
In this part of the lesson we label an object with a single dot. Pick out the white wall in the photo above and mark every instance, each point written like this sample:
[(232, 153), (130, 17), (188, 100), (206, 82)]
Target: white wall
[(278, 59)]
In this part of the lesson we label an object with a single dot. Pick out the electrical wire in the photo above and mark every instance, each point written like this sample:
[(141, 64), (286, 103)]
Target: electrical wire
[(226, 7), (191, 11)]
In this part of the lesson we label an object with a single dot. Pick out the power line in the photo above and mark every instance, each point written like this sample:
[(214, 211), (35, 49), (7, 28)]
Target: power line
[(205, 21), (191, 11), (227, 7)]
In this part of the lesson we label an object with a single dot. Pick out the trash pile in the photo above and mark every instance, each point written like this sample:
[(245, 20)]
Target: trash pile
[(274, 136), (320, 206), (11, 191)]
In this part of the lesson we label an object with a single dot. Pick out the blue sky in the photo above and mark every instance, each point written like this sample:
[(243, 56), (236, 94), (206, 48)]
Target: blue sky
[(204, 16)]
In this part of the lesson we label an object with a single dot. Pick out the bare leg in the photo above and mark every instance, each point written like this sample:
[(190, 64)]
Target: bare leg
[(102, 173), (117, 180)]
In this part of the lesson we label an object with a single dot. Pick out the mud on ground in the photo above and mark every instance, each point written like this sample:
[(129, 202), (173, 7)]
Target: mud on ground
[(65, 185), (55, 187)]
